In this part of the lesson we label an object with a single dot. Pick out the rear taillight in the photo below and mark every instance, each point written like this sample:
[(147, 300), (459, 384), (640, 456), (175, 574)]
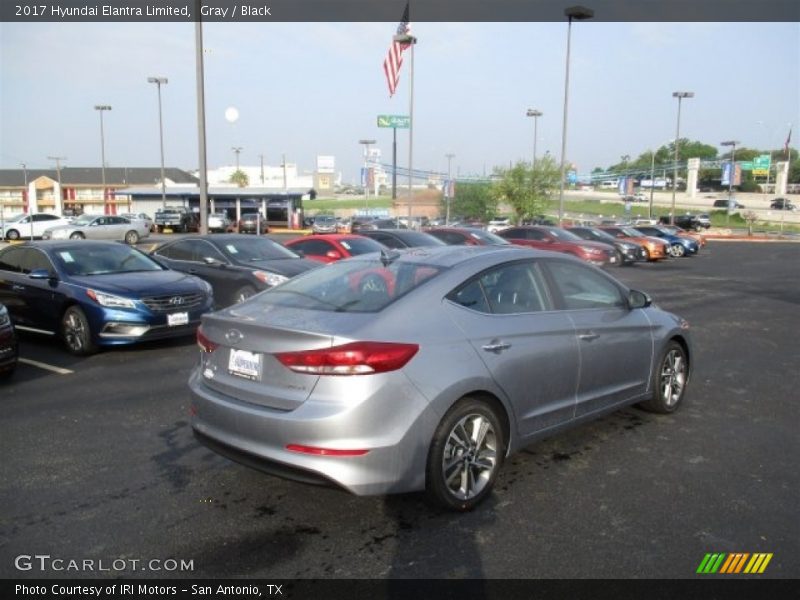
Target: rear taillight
[(205, 344), (357, 358)]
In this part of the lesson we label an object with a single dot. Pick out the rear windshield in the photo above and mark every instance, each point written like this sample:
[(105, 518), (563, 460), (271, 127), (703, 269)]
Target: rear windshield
[(355, 286)]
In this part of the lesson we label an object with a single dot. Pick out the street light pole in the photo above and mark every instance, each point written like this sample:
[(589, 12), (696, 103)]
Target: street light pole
[(366, 144), (578, 13), (237, 150), (411, 41), (732, 174), (652, 182), (159, 81), (680, 96), (449, 158), (102, 108), (58, 160), (532, 112)]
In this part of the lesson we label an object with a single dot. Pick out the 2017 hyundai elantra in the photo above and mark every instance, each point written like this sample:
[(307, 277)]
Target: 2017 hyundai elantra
[(93, 293), (428, 383)]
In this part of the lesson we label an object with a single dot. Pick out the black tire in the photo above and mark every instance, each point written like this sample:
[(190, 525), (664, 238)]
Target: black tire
[(677, 250), (12, 234), (76, 332), (669, 380), (462, 465), (243, 293), (131, 238), (77, 236)]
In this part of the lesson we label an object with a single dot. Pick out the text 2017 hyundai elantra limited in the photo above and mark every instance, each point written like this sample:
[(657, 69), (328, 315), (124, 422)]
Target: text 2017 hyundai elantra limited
[(427, 378)]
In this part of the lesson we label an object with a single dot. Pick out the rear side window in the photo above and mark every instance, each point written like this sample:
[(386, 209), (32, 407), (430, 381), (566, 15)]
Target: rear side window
[(514, 288)]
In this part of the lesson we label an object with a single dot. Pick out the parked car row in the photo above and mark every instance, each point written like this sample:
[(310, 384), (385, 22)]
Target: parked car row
[(323, 368)]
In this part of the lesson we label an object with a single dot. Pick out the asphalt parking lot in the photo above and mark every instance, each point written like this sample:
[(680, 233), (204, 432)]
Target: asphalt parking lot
[(99, 463)]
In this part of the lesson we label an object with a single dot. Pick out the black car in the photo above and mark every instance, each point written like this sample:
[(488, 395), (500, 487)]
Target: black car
[(687, 222), (8, 344), (252, 223), (360, 224), (629, 252), (782, 204), (236, 266), (401, 238)]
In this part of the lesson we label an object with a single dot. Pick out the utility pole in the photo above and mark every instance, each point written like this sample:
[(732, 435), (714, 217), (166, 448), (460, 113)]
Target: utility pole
[(449, 158), (58, 160)]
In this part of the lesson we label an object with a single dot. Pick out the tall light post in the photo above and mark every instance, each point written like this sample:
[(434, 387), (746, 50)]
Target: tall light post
[(366, 144), (237, 150), (101, 108), (532, 112), (58, 160), (449, 158), (159, 81), (732, 175), (577, 13), (680, 96)]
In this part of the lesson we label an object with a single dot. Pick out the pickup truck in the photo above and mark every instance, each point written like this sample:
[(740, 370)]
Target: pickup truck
[(176, 219)]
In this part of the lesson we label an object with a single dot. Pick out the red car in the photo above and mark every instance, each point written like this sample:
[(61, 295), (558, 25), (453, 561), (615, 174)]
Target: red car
[(466, 236), (334, 246), (560, 240)]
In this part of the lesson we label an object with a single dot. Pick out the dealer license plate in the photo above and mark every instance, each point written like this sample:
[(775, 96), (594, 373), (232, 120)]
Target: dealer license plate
[(245, 364), (175, 319)]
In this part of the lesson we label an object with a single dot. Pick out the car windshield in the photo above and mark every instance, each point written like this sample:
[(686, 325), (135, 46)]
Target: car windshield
[(249, 249), (600, 235), (565, 235), (630, 232), (84, 220), (489, 238), (352, 286), (16, 218), (356, 246), (324, 220), (102, 259)]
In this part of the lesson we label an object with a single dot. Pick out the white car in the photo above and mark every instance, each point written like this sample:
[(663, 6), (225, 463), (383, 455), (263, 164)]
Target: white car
[(496, 225), (218, 222), (25, 226), (140, 217), (100, 227)]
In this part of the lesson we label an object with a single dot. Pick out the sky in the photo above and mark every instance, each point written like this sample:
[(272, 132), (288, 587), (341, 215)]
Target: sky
[(308, 89)]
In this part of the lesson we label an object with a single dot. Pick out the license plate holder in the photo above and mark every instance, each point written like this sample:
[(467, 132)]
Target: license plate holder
[(245, 364), (176, 319)]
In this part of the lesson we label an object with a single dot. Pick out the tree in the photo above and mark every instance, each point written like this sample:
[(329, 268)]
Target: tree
[(527, 190), (240, 178), (472, 201)]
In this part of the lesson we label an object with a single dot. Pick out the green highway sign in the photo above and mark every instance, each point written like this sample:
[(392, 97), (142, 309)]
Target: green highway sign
[(745, 165), (762, 162), (394, 121)]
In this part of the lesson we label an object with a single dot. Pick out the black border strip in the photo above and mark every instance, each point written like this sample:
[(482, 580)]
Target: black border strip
[(391, 10)]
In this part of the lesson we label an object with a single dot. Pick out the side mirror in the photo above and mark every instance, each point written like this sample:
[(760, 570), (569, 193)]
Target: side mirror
[(637, 299), (41, 274)]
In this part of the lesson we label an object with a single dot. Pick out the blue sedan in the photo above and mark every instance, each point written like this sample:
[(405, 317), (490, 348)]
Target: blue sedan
[(678, 246), (93, 294)]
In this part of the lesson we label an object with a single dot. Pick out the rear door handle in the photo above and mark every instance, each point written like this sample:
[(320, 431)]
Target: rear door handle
[(496, 347), (588, 336)]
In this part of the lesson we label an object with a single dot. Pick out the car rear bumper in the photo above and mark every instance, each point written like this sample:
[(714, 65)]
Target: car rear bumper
[(396, 440)]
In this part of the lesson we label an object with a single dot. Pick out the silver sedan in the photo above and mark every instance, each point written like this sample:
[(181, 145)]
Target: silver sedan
[(424, 369), (100, 227)]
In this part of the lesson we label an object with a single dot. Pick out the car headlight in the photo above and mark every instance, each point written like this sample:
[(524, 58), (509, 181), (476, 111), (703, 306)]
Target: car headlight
[(271, 279), (109, 300), (591, 250), (4, 318)]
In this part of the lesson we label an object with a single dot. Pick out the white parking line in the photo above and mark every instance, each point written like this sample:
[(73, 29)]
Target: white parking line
[(46, 367)]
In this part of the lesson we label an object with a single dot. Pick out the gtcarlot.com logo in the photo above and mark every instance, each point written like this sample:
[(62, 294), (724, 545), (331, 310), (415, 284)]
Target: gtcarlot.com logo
[(734, 563)]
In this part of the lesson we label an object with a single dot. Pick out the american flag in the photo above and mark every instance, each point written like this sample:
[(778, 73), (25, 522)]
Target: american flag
[(394, 59), (786, 145)]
